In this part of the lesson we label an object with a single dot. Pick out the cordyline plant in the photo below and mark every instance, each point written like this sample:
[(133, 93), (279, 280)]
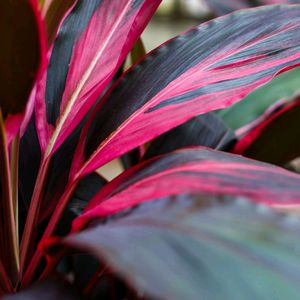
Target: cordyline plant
[(177, 224)]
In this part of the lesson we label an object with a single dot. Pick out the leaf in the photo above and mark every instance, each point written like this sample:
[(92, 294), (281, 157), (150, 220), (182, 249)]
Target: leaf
[(29, 163), (48, 290), (275, 139), (85, 191), (59, 172), (256, 103), (205, 130), (93, 42), (53, 14), (133, 157), (210, 67), (195, 170), (179, 250), (221, 7), (21, 53)]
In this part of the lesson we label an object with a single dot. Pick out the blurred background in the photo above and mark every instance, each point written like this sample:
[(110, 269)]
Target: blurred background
[(174, 17)]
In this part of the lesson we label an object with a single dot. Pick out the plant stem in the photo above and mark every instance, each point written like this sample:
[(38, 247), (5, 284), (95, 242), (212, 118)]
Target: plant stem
[(8, 206), (61, 205), (33, 213), (15, 180)]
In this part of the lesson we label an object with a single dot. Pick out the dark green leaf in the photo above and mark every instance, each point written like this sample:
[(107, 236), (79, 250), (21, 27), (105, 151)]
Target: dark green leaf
[(255, 104)]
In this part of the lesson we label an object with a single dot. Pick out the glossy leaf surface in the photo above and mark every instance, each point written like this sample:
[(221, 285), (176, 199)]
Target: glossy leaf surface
[(180, 250), (210, 67), (106, 30), (255, 104), (194, 170), (276, 139), (29, 162), (221, 7)]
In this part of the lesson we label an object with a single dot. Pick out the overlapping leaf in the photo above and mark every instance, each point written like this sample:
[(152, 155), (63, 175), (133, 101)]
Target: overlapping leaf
[(209, 67), (106, 30), (195, 170), (205, 130), (255, 104), (87, 188), (279, 1), (221, 7), (53, 12), (180, 250), (276, 138)]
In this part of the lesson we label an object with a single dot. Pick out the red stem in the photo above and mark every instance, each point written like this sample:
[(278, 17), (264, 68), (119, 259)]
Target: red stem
[(33, 213), (10, 232), (61, 205)]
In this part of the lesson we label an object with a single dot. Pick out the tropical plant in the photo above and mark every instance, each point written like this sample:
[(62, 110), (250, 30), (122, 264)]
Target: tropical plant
[(178, 223)]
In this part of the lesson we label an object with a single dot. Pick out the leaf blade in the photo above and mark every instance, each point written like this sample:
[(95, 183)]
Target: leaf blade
[(194, 170), (274, 139), (184, 80), (75, 77), (246, 253), (205, 130), (256, 103)]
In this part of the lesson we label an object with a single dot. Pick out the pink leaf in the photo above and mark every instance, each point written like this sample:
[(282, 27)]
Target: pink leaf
[(195, 170), (210, 67), (94, 40)]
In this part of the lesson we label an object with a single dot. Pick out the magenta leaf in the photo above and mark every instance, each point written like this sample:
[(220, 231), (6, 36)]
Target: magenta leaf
[(274, 139), (180, 249), (210, 67), (93, 42), (195, 170)]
